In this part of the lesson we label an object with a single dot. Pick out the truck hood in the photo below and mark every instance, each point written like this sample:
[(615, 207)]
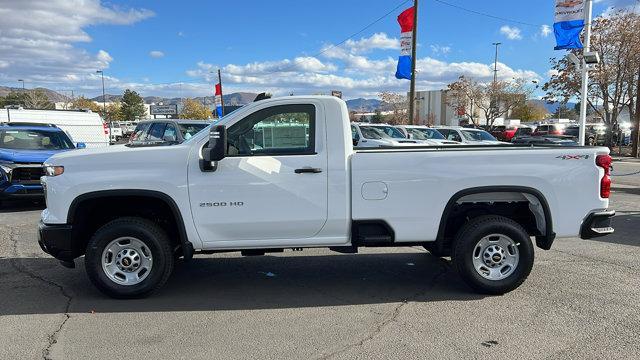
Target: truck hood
[(120, 157), (27, 156)]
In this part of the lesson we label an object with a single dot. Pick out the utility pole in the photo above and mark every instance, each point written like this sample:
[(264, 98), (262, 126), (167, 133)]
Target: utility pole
[(22, 81), (585, 73), (495, 65), (412, 89)]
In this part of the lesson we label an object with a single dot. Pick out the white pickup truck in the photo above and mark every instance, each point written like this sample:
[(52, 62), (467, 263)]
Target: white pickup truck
[(243, 186)]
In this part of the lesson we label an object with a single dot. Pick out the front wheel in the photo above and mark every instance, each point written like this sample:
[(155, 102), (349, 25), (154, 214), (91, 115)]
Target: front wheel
[(129, 258), (493, 254)]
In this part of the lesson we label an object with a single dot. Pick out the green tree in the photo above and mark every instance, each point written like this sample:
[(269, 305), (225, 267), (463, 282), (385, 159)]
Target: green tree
[(114, 112), (132, 107), (563, 112), (193, 109), (14, 98), (377, 117)]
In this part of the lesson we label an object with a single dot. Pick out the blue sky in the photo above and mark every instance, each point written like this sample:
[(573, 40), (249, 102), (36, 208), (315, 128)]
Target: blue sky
[(283, 46)]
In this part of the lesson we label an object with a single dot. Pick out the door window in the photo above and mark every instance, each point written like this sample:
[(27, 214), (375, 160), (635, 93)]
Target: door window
[(170, 132), (278, 130), (139, 132), (156, 131)]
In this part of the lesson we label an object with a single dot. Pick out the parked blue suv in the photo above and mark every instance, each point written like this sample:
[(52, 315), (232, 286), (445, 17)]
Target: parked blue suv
[(24, 147)]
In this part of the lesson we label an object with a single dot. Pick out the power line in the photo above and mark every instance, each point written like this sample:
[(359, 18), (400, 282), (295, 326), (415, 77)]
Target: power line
[(486, 14)]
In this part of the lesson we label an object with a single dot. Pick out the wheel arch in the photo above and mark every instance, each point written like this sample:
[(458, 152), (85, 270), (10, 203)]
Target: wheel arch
[(538, 204), (78, 204)]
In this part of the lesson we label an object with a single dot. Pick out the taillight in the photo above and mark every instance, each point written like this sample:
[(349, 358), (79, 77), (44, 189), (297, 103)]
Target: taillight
[(106, 128), (604, 161)]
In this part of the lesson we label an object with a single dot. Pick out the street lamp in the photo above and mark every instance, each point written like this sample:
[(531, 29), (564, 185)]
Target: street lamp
[(22, 81)]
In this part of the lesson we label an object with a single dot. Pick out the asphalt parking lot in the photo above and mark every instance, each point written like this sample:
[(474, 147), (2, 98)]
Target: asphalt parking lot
[(580, 301)]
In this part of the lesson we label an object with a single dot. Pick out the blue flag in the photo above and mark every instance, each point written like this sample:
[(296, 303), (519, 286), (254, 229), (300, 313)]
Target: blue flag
[(568, 25)]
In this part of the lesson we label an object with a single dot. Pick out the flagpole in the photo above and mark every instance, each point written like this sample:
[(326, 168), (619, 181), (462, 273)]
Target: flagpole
[(585, 74), (412, 89), (221, 98)]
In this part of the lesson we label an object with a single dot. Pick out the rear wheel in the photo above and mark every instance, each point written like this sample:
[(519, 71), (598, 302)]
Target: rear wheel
[(493, 254), (129, 258)]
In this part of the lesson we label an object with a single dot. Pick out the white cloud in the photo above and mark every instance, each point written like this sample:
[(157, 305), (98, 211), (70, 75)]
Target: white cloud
[(156, 54), (376, 41), (4, 64), (350, 71), (512, 33), (440, 49), (545, 31), (37, 39)]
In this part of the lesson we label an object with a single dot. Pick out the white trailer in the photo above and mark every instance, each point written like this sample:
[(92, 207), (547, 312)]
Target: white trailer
[(82, 126)]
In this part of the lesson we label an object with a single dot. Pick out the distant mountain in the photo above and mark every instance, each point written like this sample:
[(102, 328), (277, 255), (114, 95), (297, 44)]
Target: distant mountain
[(553, 107), (364, 105), (51, 95), (108, 98)]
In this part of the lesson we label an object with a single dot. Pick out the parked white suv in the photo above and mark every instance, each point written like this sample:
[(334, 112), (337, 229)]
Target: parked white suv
[(469, 136), (366, 135), (420, 132)]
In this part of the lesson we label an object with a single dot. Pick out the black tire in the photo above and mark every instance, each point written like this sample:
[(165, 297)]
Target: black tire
[(155, 239), (471, 234)]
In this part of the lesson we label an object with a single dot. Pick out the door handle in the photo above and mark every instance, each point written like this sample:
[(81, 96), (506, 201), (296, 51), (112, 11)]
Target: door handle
[(308, 170)]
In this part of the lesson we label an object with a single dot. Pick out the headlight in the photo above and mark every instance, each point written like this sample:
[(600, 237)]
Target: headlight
[(50, 170), (5, 169)]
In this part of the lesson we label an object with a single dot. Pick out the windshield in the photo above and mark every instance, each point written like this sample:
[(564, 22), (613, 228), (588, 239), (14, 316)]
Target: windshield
[(391, 131), (425, 134), (373, 133), (188, 130), (34, 140), (477, 135)]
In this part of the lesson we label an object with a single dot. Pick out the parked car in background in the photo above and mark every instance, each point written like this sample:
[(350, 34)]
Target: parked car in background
[(419, 132), (114, 130), (365, 135), (165, 131), (82, 126), (550, 129), (545, 140), (596, 134), (24, 147), (469, 136), (507, 133), (524, 130)]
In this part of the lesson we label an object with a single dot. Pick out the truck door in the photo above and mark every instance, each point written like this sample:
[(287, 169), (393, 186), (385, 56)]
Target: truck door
[(273, 182)]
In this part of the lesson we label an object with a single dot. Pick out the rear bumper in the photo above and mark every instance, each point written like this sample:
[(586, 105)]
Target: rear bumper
[(57, 241), (597, 224)]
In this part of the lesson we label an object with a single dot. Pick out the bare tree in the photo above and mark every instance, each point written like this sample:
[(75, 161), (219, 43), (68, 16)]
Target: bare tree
[(492, 100), (612, 83), (37, 99), (398, 104)]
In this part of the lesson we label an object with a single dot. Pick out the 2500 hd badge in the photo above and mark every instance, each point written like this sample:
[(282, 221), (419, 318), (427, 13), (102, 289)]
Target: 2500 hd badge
[(222, 203)]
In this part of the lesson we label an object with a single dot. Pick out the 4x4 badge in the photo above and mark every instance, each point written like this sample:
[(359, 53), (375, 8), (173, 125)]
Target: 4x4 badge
[(573, 157)]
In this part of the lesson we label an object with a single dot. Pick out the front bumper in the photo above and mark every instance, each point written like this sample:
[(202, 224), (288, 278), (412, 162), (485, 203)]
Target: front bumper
[(597, 224), (21, 190), (57, 241)]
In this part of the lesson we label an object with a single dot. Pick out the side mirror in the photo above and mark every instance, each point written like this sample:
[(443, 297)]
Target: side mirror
[(355, 142), (409, 136), (81, 145), (217, 148)]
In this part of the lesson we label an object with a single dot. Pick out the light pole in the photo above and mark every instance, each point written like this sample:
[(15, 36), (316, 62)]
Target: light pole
[(495, 98), (22, 81), (585, 74), (104, 102)]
